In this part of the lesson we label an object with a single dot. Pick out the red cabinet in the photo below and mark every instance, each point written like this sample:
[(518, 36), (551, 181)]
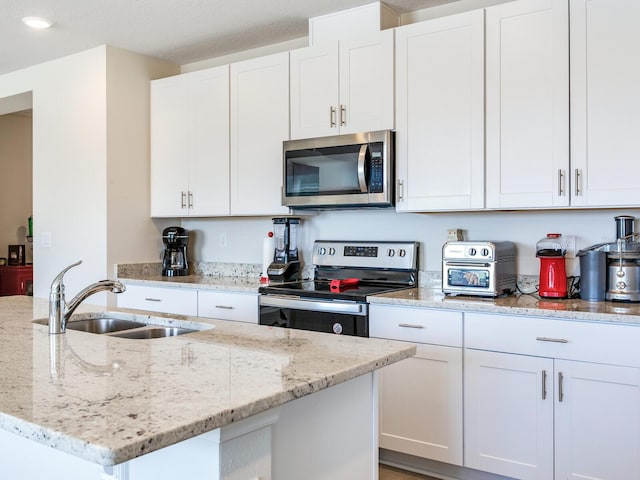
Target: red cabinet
[(16, 280)]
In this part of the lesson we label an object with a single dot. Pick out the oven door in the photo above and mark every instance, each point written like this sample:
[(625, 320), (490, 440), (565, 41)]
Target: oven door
[(346, 318), (469, 278)]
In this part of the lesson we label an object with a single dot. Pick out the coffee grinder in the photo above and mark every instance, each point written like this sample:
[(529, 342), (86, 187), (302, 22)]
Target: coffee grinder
[(174, 261), (286, 261)]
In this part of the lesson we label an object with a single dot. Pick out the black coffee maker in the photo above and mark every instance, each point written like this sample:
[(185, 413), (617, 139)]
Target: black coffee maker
[(174, 261)]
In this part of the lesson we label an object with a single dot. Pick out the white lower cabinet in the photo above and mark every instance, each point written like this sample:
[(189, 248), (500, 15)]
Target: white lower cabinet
[(241, 307), (421, 397), (537, 406), (179, 301)]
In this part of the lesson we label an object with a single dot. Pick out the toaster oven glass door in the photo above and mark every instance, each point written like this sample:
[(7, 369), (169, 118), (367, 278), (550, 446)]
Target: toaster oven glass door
[(469, 277)]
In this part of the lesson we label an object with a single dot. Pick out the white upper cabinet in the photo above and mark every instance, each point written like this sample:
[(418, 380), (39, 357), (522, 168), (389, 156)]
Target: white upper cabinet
[(343, 87), (605, 104), (440, 114), (527, 104), (190, 144), (259, 125)]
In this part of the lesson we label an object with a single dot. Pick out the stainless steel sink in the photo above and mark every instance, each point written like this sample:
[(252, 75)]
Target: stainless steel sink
[(155, 332), (98, 325)]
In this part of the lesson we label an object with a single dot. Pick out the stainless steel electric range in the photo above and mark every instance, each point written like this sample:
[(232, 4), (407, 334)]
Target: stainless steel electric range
[(345, 273)]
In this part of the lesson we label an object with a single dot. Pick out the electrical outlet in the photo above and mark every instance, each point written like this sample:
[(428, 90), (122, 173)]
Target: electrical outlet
[(223, 240), (569, 245)]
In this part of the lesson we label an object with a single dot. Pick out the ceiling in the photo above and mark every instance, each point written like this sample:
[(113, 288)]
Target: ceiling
[(179, 31)]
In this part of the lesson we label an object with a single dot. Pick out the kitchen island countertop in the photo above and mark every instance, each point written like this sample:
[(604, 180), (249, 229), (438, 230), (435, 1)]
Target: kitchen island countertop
[(108, 399)]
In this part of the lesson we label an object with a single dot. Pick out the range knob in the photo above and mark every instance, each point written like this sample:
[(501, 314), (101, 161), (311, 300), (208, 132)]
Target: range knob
[(332, 251), (484, 252), (402, 252), (472, 252), (391, 252), (322, 251)]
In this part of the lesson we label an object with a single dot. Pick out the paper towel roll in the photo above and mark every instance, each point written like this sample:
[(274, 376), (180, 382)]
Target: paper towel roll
[(268, 249)]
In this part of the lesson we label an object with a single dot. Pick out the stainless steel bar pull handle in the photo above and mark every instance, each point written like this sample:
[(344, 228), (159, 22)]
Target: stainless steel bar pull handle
[(544, 384), (560, 392), (560, 182), (190, 199), (183, 200), (332, 117), (148, 299), (554, 340), (410, 325), (224, 307), (343, 115), (400, 190), (578, 181)]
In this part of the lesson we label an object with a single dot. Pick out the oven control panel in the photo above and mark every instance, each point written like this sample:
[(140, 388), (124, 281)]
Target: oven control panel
[(397, 255)]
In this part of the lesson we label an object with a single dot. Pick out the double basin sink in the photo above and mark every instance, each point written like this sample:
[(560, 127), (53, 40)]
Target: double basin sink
[(121, 325)]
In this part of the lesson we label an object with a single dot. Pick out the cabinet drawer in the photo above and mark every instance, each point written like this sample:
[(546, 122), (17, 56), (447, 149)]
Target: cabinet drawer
[(418, 325), (228, 306), (158, 299), (544, 337)]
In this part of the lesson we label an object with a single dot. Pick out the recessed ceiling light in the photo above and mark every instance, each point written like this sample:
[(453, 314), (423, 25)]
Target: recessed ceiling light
[(37, 22)]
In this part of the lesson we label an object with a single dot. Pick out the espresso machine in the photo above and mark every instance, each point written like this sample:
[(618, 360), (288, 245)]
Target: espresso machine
[(174, 260), (286, 261)]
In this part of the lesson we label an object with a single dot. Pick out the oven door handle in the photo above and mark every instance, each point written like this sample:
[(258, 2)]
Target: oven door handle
[(313, 305), (466, 264)]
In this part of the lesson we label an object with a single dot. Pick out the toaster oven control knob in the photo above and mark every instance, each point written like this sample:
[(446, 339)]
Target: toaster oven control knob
[(484, 252), (391, 252), (332, 251), (621, 285), (322, 251), (620, 273), (472, 252), (402, 252), (337, 328)]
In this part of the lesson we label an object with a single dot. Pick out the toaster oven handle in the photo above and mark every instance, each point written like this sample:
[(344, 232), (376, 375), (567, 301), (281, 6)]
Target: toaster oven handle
[(362, 158), (466, 264)]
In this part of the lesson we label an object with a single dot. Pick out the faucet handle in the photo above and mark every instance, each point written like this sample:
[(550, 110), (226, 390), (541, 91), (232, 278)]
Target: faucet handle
[(57, 282)]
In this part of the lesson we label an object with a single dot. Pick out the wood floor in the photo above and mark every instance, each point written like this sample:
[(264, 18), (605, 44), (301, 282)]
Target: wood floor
[(390, 473)]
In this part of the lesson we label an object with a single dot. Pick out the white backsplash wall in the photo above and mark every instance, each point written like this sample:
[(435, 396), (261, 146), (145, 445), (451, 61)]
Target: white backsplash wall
[(244, 235)]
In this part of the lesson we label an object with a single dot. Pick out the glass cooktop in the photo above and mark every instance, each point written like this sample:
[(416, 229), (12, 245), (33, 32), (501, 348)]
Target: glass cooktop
[(322, 289)]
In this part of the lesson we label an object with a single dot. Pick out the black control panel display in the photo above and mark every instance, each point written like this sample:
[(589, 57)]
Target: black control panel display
[(355, 251), (376, 174)]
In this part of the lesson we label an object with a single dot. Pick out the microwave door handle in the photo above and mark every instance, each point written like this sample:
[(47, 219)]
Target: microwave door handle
[(362, 158)]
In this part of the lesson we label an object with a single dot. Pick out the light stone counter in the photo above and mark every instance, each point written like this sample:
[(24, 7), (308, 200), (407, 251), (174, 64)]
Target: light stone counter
[(109, 400), (517, 304)]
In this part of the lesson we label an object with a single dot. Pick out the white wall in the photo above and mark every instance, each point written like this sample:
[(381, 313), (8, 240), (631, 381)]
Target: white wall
[(525, 228), (16, 168), (73, 179)]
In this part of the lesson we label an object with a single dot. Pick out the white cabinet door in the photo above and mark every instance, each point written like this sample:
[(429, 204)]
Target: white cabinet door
[(508, 411), (366, 83), (190, 144), (605, 105), (440, 114), (209, 167), (314, 91), (597, 422), (170, 146), (527, 104), (344, 87), (259, 125), (421, 404)]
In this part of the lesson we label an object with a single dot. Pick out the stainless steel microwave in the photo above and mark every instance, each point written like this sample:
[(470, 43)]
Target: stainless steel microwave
[(353, 170)]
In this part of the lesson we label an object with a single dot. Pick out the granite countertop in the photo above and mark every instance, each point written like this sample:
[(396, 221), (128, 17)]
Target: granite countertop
[(108, 399), (200, 282), (516, 304)]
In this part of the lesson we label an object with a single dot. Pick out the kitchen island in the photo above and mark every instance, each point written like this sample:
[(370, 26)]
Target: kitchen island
[(234, 401)]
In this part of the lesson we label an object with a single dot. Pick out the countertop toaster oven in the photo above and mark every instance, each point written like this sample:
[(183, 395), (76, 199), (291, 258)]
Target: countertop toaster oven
[(483, 268)]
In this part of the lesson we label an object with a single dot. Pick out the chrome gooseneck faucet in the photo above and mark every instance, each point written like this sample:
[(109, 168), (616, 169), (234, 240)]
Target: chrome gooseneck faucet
[(60, 310)]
